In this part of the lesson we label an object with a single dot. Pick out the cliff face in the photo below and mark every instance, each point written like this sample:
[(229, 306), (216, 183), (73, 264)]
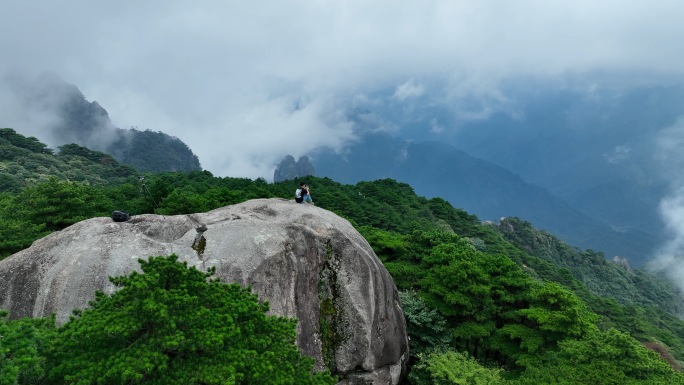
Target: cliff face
[(288, 169), (306, 262)]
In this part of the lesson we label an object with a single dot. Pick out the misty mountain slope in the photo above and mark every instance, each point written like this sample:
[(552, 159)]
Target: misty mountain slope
[(67, 117), (596, 145), (601, 276), (598, 149), (439, 170)]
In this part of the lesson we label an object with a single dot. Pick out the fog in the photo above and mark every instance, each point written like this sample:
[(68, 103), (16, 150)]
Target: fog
[(245, 83)]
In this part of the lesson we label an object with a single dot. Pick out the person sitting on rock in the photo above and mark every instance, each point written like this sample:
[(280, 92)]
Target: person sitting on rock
[(306, 194), (299, 193)]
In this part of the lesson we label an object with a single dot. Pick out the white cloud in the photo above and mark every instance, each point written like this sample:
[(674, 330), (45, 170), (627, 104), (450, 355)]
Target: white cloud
[(670, 258), (618, 154), (669, 145), (407, 90), (223, 76), (16, 112), (265, 133), (435, 126)]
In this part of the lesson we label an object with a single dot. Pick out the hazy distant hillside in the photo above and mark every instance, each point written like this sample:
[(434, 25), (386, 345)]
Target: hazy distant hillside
[(601, 276), (65, 116), (480, 187), (597, 146), (598, 151)]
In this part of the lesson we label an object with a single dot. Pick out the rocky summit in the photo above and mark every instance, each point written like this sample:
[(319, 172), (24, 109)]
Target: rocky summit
[(288, 169), (307, 262)]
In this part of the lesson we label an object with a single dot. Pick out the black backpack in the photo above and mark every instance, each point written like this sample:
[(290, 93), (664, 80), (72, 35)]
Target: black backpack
[(120, 216)]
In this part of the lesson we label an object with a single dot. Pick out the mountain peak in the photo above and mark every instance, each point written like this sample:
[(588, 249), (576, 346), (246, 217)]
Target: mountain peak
[(69, 118), (288, 169)]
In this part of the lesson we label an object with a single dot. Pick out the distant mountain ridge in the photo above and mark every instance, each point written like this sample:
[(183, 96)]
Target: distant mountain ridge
[(289, 169), (598, 151), (88, 124), (489, 191), (601, 147)]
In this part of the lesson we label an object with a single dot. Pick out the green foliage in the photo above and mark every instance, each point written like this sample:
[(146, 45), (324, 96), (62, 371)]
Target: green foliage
[(26, 161), (602, 277), (453, 368), (16, 235), (111, 169), (387, 245), (427, 328), (498, 314), (633, 301), (507, 295), (385, 204), (610, 357), (16, 232), (184, 202), (187, 201), (493, 309), (458, 221), (31, 143), (554, 314), (23, 346), (172, 324), (150, 151), (10, 183), (56, 204)]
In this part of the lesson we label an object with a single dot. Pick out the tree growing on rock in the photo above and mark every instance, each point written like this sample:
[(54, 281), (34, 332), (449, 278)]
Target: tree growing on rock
[(172, 324)]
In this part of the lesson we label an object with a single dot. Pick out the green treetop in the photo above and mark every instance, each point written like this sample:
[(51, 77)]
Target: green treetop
[(172, 324)]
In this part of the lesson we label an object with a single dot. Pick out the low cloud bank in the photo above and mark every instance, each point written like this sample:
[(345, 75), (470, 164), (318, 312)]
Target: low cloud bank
[(669, 258)]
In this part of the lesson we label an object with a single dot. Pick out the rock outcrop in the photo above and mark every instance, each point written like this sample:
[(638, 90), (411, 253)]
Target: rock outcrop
[(287, 169), (307, 262)]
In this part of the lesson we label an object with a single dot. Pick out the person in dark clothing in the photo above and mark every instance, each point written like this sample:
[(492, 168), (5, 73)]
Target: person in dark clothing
[(299, 193)]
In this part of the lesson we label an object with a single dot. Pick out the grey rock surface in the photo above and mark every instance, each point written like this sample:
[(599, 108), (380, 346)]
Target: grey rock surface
[(288, 169), (307, 262)]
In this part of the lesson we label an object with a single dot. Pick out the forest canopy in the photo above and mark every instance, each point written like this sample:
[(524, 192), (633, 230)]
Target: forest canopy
[(500, 303)]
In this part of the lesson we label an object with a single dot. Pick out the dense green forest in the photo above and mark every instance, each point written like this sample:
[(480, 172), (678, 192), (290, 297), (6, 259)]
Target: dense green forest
[(153, 151), (485, 303)]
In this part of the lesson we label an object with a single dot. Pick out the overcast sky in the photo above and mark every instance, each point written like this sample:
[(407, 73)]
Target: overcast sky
[(245, 82)]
